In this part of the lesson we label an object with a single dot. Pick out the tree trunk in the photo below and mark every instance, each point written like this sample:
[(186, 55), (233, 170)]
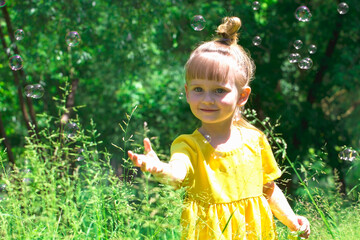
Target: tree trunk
[(21, 73), (70, 102)]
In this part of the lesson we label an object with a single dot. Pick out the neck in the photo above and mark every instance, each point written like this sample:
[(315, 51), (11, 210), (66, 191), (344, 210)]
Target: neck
[(219, 133), (222, 139)]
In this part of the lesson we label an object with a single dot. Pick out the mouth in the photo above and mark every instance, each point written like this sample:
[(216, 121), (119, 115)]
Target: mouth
[(208, 110)]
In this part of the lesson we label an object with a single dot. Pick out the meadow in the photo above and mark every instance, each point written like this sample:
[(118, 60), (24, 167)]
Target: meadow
[(66, 188)]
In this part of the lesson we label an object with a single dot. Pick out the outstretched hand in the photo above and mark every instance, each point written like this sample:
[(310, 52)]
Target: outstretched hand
[(304, 226), (149, 161)]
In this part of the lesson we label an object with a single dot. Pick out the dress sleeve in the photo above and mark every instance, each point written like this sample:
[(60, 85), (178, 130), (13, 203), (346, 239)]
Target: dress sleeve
[(182, 152), (270, 167)]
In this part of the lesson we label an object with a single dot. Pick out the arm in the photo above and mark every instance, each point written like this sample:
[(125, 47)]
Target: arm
[(282, 210), (169, 173)]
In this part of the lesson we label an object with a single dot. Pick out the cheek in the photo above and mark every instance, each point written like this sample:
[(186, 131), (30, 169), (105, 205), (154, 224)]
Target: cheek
[(191, 99), (228, 100)]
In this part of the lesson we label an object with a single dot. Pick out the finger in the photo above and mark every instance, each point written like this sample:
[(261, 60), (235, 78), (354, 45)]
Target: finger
[(135, 159), (303, 228), (305, 235), (143, 167), (147, 145), (130, 154)]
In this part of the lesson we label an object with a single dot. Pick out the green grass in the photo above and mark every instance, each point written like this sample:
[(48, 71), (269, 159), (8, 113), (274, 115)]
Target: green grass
[(65, 188)]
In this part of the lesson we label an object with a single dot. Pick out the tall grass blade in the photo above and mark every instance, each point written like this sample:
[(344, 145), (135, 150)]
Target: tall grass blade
[(228, 221)]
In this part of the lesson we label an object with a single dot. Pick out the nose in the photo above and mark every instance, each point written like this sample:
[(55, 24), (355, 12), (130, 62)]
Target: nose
[(208, 98)]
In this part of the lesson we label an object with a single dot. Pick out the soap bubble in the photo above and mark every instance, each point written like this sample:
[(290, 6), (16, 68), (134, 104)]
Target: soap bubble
[(72, 38), (34, 91), (80, 155), (294, 57), (255, 5), (26, 171), (348, 154), (198, 22), (343, 8), (181, 95), (298, 44), (2, 3), (207, 139), (16, 62), (3, 192), (28, 90), (19, 34), (28, 181), (305, 63), (303, 14), (312, 49), (71, 129), (257, 40), (3, 188)]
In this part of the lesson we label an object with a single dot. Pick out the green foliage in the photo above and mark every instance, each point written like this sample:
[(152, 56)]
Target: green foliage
[(132, 53), (65, 188)]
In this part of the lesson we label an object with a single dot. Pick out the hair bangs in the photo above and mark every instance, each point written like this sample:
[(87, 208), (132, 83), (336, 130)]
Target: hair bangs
[(209, 65)]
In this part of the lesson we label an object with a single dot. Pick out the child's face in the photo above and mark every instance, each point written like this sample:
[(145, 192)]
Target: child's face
[(214, 102)]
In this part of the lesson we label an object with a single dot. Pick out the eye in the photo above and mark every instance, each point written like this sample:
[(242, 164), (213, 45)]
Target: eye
[(220, 90), (197, 89)]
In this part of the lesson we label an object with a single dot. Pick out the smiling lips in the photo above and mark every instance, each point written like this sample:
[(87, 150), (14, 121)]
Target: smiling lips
[(208, 110)]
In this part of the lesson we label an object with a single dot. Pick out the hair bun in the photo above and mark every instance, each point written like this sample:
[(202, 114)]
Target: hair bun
[(228, 30)]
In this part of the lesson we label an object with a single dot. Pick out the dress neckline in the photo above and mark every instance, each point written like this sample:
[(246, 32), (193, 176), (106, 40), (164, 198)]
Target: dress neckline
[(205, 142)]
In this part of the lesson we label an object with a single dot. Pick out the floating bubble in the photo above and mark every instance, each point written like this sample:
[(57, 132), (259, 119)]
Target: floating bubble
[(28, 181), (80, 155), (255, 5), (26, 171), (3, 188), (28, 90), (312, 49), (343, 8), (19, 34), (294, 57), (303, 14), (198, 23), (298, 44), (2, 3), (305, 63), (16, 63), (71, 129), (72, 38), (181, 95), (348, 154), (257, 40), (207, 139), (34, 91)]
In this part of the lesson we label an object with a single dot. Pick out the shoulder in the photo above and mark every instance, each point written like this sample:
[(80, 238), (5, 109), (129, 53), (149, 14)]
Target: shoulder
[(255, 139), (185, 141), (251, 134)]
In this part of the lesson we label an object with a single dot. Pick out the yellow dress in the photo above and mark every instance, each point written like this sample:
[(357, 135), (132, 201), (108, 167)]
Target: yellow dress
[(224, 190)]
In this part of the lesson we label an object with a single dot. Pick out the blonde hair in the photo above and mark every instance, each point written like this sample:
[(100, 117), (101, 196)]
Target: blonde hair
[(222, 59)]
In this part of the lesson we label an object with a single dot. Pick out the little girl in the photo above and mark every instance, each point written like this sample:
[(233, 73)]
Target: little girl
[(226, 165)]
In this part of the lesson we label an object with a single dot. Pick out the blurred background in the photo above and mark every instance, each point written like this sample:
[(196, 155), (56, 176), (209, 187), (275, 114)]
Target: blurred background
[(114, 58)]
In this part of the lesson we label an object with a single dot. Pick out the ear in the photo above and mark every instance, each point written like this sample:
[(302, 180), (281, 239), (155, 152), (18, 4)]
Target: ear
[(244, 96)]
